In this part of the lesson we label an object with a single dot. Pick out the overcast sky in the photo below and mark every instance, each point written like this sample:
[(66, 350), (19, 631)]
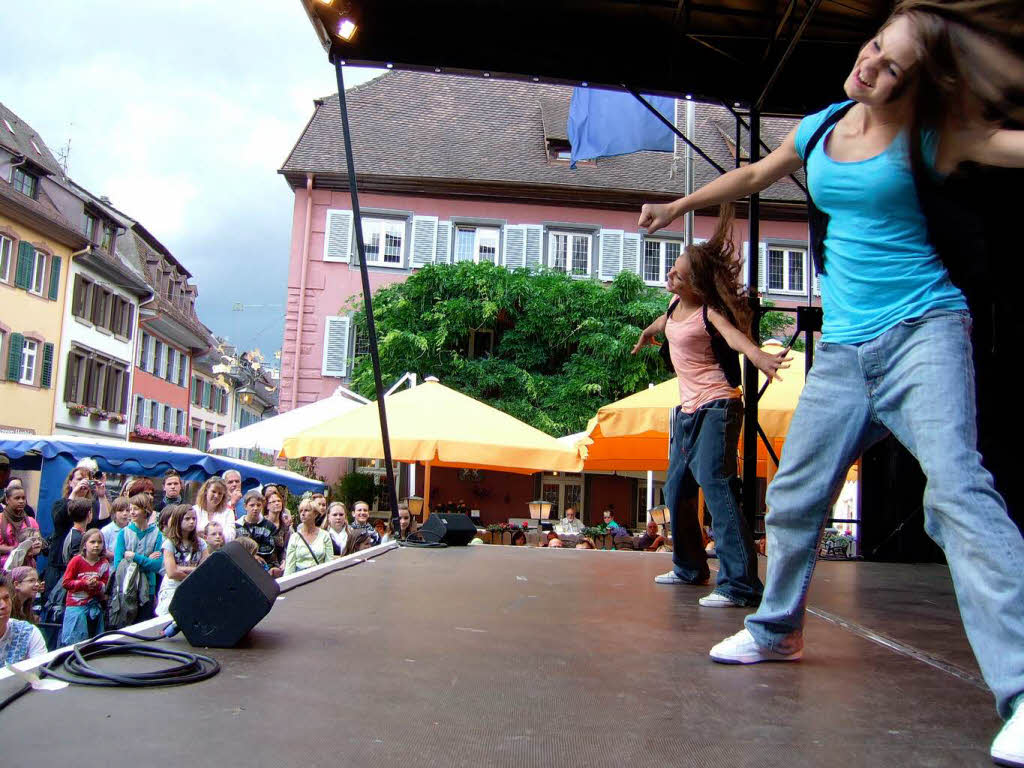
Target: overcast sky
[(181, 113)]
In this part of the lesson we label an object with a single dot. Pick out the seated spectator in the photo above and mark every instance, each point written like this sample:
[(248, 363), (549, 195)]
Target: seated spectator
[(570, 525), (361, 522), (14, 519), (609, 518), (336, 525), (232, 480), (120, 516), (213, 503), (251, 547), (651, 539), (27, 588), (585, 543), (383, 529), (518, 538), (183, 551), (172, 490), (85, 580), (214, 536), (309, 545), (140, 543), (277, 517), (406, 524), (555, 543), (256, 528), (19, 640)]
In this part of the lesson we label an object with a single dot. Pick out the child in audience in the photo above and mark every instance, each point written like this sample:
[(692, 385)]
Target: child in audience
[(336, 525), (183, 551), (140, 542), (214, 536), (253, 549), (80, 512), (120, 510), (85, 580), (27, 588), (30, 544)]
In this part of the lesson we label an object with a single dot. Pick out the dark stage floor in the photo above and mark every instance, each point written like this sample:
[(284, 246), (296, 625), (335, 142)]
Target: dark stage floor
[(506, 656)]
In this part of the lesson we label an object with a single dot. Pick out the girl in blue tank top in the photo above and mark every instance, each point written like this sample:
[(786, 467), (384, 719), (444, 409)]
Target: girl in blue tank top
[(895, 354)]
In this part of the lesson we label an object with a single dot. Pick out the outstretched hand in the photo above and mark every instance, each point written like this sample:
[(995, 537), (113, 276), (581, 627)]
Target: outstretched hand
[(647, 338), (770, 364), (655, 216)]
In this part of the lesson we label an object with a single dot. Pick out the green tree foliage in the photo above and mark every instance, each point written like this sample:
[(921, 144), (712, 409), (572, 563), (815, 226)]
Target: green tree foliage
[(561, 345)]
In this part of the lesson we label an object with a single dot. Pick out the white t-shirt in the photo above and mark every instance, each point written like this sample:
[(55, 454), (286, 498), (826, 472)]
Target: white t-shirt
[(225, 518)]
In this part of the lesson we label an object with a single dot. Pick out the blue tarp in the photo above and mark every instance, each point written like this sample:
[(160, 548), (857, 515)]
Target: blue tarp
[(608, 123), (59, 455)]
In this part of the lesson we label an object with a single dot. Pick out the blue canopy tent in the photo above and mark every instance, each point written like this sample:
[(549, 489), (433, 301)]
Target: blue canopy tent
[(56, 456)]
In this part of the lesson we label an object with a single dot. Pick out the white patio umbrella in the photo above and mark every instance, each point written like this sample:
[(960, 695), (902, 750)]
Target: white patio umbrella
[(269, 435)]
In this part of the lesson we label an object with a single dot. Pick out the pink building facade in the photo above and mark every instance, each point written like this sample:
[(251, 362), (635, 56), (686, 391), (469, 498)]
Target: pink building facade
[(490, 183)]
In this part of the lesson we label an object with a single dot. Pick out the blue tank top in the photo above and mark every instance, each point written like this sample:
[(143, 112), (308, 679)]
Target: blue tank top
[(880, 267)]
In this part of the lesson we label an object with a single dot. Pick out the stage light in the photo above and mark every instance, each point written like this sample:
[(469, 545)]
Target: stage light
[(437, 69), (536, 79), (328, 3), (389, 65), (347, 29), (584, 84), (487, 74)]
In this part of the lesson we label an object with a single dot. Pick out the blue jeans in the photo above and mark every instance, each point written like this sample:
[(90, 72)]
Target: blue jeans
[(82, 622), (703, 453), (916, 381)]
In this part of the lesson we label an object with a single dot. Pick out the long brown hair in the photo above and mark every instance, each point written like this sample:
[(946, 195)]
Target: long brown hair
[(716, 274), (174, 532)]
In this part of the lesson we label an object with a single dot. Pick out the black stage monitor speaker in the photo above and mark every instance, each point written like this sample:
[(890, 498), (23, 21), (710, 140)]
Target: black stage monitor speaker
[(225, 597), (452, 529)]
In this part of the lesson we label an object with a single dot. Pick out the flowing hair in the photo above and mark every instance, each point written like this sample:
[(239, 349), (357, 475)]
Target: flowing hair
[(716, 274)]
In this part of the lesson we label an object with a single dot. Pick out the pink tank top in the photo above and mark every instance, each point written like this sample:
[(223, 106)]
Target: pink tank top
[(701, 378)]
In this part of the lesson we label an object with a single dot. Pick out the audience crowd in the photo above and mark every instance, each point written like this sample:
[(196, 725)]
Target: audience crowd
[(111, 562)]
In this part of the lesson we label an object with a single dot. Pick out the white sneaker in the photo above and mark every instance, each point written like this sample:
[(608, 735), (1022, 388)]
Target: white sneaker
[(1008, 747), (741, 649), (718, 600), (672, 578)]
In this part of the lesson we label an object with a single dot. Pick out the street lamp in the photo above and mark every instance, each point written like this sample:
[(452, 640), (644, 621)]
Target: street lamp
[(415, 506), (540, 510), (662, 515)]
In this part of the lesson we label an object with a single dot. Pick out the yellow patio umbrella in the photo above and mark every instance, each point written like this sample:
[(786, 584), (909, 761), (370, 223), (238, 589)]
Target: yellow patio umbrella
[(632, 433), (438, 426)]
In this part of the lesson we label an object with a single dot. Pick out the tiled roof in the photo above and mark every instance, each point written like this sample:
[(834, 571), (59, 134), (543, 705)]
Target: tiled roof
[(426, 126), (23, 140)]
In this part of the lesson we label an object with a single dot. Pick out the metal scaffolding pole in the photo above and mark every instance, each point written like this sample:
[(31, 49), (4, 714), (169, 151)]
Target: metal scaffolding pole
[(371, 328), (750, 425)]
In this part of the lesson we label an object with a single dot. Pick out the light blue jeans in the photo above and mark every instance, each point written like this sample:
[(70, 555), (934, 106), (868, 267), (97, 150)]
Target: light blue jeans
[(916, 381)]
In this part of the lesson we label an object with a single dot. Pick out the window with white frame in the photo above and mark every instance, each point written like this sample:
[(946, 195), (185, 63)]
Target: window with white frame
[(786, 270), (569, 252), (383, 241), (659, 256), (28, 362), (477, 244), (6, 248), (38, 284)]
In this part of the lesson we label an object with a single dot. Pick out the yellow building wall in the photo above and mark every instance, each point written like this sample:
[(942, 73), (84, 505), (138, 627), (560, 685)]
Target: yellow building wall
[(24, 407)]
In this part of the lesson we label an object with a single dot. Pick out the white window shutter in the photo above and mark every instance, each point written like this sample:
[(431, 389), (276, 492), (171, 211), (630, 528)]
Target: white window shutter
[(424, 240), (338, 236), (534, 245), (335, 345), (443, 249), (514, 256), (610, 253), (631, 253), (762, 267)]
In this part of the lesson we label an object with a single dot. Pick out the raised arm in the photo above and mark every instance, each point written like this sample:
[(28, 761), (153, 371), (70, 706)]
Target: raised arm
[(1003, 148), (728, 187)]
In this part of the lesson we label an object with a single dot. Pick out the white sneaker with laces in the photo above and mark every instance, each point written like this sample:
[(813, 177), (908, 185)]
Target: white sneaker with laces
[(718, 600), (741, 649), (672, 578), (1008, 747)]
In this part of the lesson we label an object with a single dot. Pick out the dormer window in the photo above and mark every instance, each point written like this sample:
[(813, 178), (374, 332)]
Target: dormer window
[(25, 182), (108, 237), (560, 152), (89, 225)]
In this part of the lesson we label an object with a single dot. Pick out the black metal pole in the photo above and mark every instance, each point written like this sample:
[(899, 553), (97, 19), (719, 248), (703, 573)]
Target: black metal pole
[(750, 425), (371, 328), (672, 127)]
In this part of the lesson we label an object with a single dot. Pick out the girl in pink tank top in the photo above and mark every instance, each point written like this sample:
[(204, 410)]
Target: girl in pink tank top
[(702, 329)]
